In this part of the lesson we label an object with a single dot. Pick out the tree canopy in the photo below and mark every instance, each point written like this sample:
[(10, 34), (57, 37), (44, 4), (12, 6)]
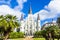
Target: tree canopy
[(8, 23)]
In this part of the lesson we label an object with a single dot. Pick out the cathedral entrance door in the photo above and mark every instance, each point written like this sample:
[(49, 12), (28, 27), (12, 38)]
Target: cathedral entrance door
[(30, 32)]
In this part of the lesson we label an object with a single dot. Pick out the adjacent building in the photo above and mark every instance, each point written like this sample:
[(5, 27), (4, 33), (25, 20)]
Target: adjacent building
[(48, 24)]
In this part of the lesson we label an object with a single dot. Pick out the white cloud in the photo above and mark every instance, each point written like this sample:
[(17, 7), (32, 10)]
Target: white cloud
[(51, 10), (20, 4), (4, 9), (54, 21), (54, 5), (42, 13), (5, 2), (45, 22)]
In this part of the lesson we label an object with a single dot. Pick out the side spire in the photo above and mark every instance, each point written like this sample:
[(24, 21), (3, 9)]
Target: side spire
[(21, 17), (38, 17)]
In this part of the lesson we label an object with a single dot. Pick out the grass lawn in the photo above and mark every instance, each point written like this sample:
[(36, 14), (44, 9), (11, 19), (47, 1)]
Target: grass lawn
[(17, 39), (38, 38), (33, 39)]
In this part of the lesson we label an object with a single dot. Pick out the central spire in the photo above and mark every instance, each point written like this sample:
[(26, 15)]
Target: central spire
[(30, 9)]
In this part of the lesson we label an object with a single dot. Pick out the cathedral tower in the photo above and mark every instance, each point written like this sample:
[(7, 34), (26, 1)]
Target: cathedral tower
[(38, 23), (30, 10), (21, 19), (22, 23)]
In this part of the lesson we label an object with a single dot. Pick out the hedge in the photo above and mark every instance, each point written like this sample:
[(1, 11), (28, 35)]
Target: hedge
[(16, 35), (38, 34)]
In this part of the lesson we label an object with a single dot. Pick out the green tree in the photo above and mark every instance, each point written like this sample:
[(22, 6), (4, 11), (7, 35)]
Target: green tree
[(44, 34), (58, 21), (57, 34), (8, 23), (51, 32), (37, 34)]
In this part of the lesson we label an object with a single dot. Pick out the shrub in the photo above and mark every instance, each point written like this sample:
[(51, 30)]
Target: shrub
[(16, 35), (37, 34)]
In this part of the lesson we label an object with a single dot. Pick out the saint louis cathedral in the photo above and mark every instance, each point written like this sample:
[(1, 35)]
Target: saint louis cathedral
[(29, 26)]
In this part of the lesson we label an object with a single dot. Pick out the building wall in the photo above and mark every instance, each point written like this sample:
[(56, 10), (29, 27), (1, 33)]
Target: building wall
[(29, 26), (47, 25)]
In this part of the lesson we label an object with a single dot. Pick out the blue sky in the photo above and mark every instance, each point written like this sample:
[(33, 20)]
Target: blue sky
[(48, 9), (37, 5)]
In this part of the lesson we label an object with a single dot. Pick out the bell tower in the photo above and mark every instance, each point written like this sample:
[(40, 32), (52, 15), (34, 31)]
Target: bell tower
[(38, 27), (21, 17)]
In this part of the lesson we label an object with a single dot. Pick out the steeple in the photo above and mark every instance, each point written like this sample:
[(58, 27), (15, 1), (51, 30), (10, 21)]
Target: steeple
[(21, 17), (38, 23), (38, 17), (53, 22), (30, 9)]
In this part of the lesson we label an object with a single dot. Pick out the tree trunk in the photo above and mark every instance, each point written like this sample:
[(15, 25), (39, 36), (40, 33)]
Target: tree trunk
[(6, 36), (46, 38), (53, 38), (50, 36), (6, 33), (58, 38)]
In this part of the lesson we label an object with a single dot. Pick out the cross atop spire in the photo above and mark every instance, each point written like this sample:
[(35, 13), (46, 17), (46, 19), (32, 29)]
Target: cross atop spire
[(30, 9)]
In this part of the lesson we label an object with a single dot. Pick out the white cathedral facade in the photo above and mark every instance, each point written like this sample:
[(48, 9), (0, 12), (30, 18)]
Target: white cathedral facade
[(29, 26)]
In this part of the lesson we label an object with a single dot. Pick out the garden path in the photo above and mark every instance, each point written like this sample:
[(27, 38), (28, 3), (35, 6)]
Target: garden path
[(28, 38)]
